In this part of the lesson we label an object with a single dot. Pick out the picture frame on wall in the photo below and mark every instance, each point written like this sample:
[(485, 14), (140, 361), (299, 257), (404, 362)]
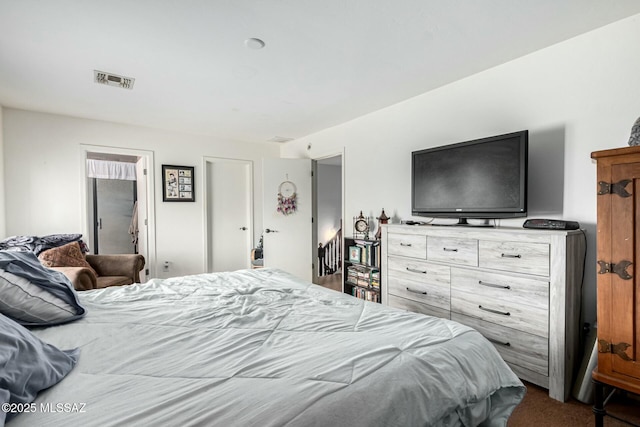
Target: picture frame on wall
[(178, 183)]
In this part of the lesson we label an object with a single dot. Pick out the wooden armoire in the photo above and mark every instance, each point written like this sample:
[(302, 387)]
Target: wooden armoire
[(618, 255)]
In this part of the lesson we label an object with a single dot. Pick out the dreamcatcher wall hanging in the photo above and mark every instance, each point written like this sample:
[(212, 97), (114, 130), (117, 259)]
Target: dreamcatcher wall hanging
[(287, 197)]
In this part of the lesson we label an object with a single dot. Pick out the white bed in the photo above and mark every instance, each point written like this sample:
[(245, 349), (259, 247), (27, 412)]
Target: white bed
[(260, 348)]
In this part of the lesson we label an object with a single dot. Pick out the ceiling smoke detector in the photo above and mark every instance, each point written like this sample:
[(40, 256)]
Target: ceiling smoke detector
[(113, 79), (280, 139), (254, 43)]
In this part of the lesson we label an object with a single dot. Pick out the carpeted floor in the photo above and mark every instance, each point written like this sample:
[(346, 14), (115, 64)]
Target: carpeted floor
[(537, 409), (332, 281)]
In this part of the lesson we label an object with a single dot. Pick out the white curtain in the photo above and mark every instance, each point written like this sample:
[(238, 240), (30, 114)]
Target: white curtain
[(106, 169)]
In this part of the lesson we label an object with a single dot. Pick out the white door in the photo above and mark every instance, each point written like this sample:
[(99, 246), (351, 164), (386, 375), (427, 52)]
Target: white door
[(141, 211), (229, 197), (287, 233)]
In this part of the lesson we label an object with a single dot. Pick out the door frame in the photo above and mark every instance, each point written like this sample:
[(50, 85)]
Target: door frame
[(205, 214), (151, 256), (314, 238)]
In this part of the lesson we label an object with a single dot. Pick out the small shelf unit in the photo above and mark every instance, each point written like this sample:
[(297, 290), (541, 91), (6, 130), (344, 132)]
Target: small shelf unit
[(361, 277)]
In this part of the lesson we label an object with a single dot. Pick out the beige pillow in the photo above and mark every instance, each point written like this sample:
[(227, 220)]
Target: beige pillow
[(69, 255)]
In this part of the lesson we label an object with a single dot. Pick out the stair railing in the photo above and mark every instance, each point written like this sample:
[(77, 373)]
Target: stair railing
[(330, 255)]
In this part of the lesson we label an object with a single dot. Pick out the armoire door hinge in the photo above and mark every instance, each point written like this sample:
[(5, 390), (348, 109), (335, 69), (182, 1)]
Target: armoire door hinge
[(614, 188), (605, 346), (619, 268)]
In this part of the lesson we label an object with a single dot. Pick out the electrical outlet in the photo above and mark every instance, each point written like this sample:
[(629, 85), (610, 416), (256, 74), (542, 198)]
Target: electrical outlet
[(165, 266)]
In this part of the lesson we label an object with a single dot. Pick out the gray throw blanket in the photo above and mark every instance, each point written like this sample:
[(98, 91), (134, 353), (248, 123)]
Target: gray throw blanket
[(37, 245)]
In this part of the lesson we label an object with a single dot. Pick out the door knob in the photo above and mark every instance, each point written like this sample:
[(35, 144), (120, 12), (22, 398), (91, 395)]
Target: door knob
[(268, 230), (243, 228)]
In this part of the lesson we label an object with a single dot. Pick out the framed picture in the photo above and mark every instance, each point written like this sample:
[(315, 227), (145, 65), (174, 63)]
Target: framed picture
[(178, 184), (354, 253)]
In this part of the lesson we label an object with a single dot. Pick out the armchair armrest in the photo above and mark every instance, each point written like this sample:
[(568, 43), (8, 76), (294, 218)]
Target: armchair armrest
[(128, 265), (81, 278)]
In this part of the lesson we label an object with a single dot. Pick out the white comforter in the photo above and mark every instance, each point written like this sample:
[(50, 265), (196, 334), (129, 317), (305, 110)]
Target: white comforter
[(259, 348)]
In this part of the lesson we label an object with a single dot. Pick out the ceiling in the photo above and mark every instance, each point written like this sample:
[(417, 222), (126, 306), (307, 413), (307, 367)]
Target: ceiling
[(325, 62)]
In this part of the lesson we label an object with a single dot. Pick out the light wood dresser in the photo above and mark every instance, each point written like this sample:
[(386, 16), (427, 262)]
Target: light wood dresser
[(520, 288)]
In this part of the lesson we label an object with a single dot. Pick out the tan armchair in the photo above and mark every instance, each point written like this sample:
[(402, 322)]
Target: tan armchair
[(113, 270)]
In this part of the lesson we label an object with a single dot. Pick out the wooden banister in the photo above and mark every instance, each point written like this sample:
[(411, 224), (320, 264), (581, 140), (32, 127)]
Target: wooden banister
[(330, 255)]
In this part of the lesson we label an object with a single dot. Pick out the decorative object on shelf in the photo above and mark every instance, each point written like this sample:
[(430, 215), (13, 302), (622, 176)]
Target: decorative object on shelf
[(178, 184), (287, 197), (361, 226), (634, 138), (382, 219), (355, 254)]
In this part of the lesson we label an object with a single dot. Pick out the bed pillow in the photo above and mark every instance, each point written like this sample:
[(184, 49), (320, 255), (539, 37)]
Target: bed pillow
[(34, 295), (21, 299), (29, 365), (69, 255)]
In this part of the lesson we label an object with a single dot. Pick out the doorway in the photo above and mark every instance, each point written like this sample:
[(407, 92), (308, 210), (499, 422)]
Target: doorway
[(329, 214), (140, 220), (228, 192)]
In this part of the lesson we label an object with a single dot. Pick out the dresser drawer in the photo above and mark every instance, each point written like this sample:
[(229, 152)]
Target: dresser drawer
[(529, 258), (419, 281), (417, 307), (410, 245), (517, 348), (514, 302), (452, 250)]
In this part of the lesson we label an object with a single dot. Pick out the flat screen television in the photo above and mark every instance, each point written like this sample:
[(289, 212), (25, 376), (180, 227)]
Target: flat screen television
[(479, 179)]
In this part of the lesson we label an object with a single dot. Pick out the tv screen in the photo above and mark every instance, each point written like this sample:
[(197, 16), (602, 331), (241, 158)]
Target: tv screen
[(483, 178)]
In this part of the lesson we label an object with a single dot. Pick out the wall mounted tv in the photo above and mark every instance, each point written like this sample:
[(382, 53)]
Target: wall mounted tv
[(483, 178)]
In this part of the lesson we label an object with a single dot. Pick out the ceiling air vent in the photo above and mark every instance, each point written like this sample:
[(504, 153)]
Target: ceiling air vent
[(113, 79)]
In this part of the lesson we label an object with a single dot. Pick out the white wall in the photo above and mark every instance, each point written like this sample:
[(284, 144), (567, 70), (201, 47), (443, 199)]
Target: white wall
[(44, 182), (575, 97)]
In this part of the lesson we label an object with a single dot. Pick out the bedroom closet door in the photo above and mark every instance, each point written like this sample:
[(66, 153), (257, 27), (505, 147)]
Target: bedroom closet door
[(288, 245), (229, 195)]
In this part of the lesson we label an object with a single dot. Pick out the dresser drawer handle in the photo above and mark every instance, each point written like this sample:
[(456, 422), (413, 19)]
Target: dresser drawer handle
[(450, 249), (511, 256), (413, 270), (413, 291), (405, 244), (504, 313), (506, 344), (493, 285)]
